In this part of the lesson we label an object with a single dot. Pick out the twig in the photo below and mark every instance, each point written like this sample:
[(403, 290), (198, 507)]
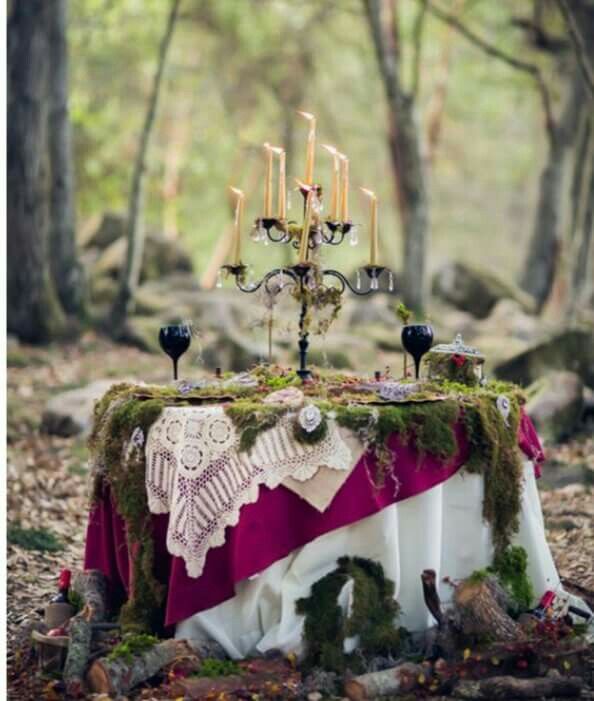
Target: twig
[(520, 65), (578, 45)]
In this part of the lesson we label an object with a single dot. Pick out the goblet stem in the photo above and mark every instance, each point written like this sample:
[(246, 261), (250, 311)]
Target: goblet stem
[(175, 368), (417, 366)]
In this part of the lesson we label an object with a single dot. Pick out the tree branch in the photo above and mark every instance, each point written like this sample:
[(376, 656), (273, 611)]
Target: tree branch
[(578, 45), (417, 47), (520, 65)]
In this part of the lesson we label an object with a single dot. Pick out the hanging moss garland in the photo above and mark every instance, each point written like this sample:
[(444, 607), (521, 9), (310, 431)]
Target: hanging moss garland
[(494, 454), (252, 418), (373, 617), (116, 417)]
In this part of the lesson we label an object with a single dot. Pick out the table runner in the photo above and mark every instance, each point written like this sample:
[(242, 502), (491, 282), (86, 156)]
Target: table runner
[(269, 529)]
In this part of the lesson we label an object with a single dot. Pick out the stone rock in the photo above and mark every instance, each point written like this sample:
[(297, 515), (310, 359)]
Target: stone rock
[(70, 413), (555, 405), (374, 310), (233, 350), (111, 228), (572, 349), (162, 256), (474, 290), (510, 319)]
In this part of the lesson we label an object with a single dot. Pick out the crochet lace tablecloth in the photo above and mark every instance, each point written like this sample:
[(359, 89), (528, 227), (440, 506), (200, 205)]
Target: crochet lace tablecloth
[(195, 473)]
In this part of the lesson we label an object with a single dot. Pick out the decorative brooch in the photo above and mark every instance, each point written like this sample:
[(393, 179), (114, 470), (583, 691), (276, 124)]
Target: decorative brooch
[(310, 417), (503, 407)]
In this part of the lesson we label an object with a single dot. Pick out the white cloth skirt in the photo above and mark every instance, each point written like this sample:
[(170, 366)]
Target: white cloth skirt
[(440, 529)]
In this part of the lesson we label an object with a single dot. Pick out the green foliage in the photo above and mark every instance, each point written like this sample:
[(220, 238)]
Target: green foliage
[(454, 368), (404, 313), (131, 646), (309, 438), (75, 600), (34, 539), (510, 566), (211, 667), (373, 616), (478, 576)]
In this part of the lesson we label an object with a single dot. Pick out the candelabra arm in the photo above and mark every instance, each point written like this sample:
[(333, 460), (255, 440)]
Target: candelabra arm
[(373, 273)]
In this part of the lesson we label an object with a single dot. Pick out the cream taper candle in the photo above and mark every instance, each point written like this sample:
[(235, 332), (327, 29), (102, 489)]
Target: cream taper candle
[(236, 255)]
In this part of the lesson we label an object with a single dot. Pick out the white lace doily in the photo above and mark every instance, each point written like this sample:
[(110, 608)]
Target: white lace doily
[(195, 472)]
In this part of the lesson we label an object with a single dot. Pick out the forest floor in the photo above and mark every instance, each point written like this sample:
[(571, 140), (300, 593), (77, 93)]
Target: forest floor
[(47, 479)]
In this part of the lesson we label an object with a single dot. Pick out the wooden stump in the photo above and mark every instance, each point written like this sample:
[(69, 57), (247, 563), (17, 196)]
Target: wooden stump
[(479, 608)]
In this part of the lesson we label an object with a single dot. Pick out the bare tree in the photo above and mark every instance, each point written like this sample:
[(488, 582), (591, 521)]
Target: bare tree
[(405, 150), (66, 270), (124, 302), (34, 311)]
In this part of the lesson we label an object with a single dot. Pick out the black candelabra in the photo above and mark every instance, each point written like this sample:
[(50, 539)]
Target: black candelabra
[(308, 276)]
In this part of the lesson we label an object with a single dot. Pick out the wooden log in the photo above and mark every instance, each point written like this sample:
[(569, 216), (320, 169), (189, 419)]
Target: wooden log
[(116, 677), (91, 586), (246, 685), (79, 650), (478, 605), (396, 680), (513, 687)]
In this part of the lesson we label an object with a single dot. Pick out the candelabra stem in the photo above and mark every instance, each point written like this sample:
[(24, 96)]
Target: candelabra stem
[(303, 372)]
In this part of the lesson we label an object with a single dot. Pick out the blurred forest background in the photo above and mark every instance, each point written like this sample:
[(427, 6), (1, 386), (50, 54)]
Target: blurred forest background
[(128, 120)]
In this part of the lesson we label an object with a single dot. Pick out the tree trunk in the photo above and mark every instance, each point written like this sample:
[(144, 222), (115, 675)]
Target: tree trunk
[(66, 270), (581, 247), (34, 311), (542, 264), (124, 302), (405, 153)]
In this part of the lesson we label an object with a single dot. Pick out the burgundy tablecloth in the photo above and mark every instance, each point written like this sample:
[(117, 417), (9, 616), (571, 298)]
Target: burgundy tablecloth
[(268, 530)]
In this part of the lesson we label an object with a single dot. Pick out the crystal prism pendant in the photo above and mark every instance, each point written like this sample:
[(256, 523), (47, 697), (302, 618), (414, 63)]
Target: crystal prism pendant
[(358, 280), (219, 282), (354, 236), (390, 281)]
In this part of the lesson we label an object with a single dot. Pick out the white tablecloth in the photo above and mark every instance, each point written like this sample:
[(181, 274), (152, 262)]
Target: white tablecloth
[(441, 529)]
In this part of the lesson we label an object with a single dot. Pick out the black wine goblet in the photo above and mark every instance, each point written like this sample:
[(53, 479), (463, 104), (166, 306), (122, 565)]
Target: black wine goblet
[(417, 340), (175, 341)]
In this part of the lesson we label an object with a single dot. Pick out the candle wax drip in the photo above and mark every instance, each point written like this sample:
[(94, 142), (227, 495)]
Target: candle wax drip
[(219, 282)]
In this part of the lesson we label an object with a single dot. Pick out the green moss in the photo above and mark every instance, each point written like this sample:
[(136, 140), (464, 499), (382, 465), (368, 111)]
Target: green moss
[(132, 645), (211, 667), (494, 453), (429, 426), (373, 617), (34, 539), (115, 419), (478, 576), (251, 418), (511, 567)]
